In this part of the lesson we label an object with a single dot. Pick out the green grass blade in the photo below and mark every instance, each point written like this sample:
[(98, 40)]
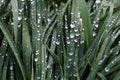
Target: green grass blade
[(3, 49), (15, 18), (4, 75), (6, 33), (26, 47), (88, 28)]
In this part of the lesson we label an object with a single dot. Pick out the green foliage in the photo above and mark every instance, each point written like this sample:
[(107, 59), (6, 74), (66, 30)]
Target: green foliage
[(59, 40)]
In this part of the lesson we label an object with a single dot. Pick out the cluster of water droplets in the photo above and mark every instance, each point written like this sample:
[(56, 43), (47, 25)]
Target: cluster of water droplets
[(112, 22), (36, 55), (98, 1), (102, 60), (110, 65), (96, 25)]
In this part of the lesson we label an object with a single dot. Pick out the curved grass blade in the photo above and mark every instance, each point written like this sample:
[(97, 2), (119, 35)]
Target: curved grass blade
[(26, 47), (15, 18), (88, 28), (4, 75), (13, 46), (3, 49)]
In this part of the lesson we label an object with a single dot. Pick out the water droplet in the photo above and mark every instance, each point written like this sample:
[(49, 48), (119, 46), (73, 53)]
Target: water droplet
[(77, 34), (94, 22), (76, 30), (80, 19), (11, 67), (74, 75), (38, 39), (72, 25), (68, 66), (48, 20), (38, 78), (82, 41), (36, 59), (94, 34), (109, 25), (112, 62), (71, 53), (19, 18), (43, 72), (66, 27), (68, 42), (72, 13), (96, 25), (107, 69), (58, 35), (98, 2), (75, 40), (101, 61), (37, 53), (12, 23), (74, 63), (49, 66), (42, 61), (57, 42), (70, 59), (72, 35)]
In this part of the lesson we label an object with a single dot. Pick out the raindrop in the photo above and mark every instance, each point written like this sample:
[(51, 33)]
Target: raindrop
[(72, 35), (96, 25), (58, 35), (11, 67), (48, 66), (101, 61), (112, 62), (107, 69), (42, 61), (109, 25), (74, 63), (76, 30), (68, 66), (43, 72), (82, 41), (38, 26), (74, 75), (12, 23), (70, 59), (72, 13), (37, 53), (72, 25), (2, 56), (36, 59), (38, 78), (94, 22), (94, 34), (6, 54), (68, 38), (75, 40), (57, 42), (77, 34), (80, 19), (66, 27), (119, 43), (68, 42), (38, 39), (71, 53), (48, 20), (19, 18)]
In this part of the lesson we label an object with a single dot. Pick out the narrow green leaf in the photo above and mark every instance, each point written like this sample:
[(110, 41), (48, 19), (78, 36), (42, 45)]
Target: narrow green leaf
[(6, 33)]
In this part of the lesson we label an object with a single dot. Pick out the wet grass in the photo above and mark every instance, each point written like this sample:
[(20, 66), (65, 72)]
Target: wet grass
[(59, 40)]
